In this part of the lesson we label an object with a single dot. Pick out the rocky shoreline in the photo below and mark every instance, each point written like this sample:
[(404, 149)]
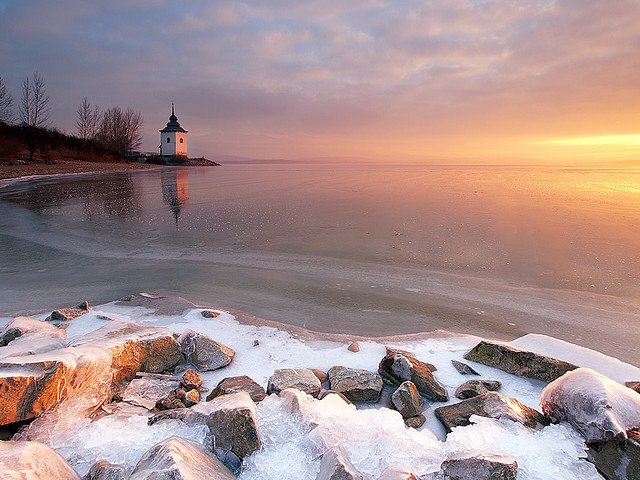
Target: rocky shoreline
[(62, 369)]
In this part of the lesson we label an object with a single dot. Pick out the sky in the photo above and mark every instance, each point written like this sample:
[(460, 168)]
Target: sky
[(398, 80)]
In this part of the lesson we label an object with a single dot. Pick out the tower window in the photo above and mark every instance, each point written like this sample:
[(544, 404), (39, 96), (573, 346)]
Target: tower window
[(182, 140), (168, 140)]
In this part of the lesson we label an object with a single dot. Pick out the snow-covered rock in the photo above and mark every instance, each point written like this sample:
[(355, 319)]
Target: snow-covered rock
[(33, 461), (519, 362), (335, 466), (398, 473), (599, 408), (232, 421), (103, 470), (480, 466), (178, 458), (148, 389), (492, 405)]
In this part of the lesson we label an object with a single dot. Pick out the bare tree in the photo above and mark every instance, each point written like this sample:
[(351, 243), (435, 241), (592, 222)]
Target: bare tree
[(6, 103), (87, 124), (120, 130), (34, 108)]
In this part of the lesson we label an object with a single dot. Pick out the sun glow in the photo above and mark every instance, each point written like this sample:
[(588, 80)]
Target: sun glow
[(598, 140)]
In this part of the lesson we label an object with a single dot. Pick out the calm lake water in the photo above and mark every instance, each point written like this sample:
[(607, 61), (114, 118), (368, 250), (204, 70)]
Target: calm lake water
[(362, 249)]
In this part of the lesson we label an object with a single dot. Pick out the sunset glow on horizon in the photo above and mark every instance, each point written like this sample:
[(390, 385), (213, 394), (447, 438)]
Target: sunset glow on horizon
[(463, 80)]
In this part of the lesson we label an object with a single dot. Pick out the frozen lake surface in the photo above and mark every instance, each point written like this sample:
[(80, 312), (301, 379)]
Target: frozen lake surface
[(367, 250)]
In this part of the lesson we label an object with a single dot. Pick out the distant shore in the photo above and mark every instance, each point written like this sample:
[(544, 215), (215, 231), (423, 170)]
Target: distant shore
[(67, 166)]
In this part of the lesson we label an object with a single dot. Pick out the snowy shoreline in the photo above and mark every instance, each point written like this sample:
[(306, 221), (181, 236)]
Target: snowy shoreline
[(372, 437)]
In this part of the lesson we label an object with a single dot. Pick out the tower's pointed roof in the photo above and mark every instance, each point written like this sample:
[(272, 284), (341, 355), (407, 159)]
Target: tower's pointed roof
[(172, 124)]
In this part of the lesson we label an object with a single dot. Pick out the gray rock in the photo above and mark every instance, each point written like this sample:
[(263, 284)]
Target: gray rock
[(209, 314), (617, 460), (211, 355), (103, 470), (185, 415), (396, 368), (301, 378), (354, 347), (356, 384), (238, 384), (463, 368), (335, 466), (480, 466), (406, 400), (147, 390), (519, 362), (180, 459), (492, 405), (635, 386), (33, 461), (232, 421), (473, 388), (599, 408), (398, 473), (415, 422)]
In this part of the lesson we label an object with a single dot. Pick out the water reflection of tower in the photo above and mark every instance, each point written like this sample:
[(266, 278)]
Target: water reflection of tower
[(175, 190)]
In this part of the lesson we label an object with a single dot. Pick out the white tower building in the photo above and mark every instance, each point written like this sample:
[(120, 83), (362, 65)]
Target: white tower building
[(173, 138)]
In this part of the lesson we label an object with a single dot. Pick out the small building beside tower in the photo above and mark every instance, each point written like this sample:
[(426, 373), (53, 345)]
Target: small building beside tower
[(173, 138)]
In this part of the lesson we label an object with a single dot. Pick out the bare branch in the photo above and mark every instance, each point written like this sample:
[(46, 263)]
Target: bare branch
[(6, 104)]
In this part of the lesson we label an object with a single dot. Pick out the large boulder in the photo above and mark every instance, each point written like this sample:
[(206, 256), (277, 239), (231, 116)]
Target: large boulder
[(398, 367), (99, 362), (492, 405), (33, 461), (135, 348), (206, 354), (406, 400), (617, 460), (599, 408), (103, 470), (238, 384), (336, 466), (473, 388), (232, 421), (180, 459), (301, 378), (480, 466), (519, 362), (356, 384)]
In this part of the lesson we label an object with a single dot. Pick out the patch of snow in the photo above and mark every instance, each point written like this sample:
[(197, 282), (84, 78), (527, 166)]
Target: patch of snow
[(581, 356)]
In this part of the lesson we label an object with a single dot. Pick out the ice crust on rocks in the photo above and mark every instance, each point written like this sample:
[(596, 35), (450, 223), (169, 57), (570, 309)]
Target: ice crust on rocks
[(596, 406), (372, 439)]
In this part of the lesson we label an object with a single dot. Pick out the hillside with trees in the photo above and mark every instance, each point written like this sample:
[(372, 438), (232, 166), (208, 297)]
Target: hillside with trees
[(29, 144)]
